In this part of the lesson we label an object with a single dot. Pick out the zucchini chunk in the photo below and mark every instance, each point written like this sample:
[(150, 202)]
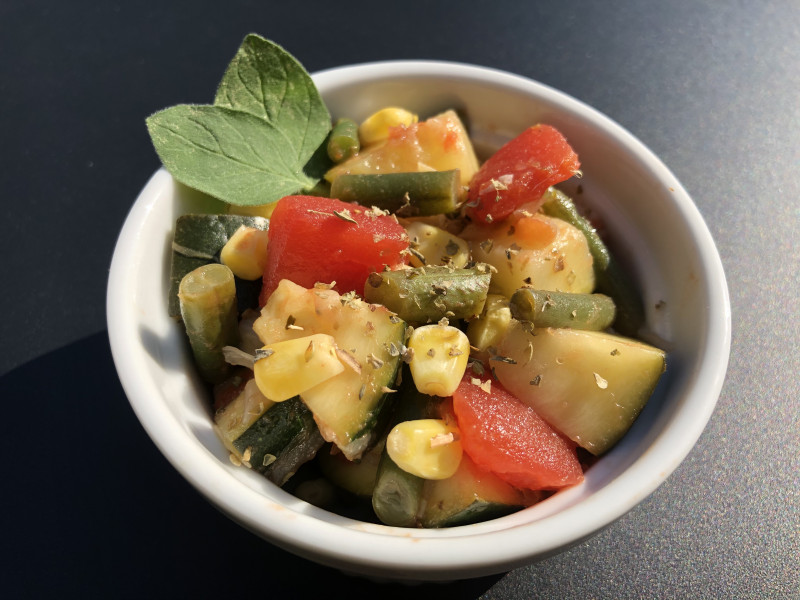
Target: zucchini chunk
[(354, 476), (347, 406), (274, 439), (589, 385), (197, 241), (435, 246), (469, 496), (488, 329), (439, 143)]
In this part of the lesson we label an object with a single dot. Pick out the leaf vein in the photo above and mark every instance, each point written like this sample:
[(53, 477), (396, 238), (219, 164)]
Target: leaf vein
[(258, 100)]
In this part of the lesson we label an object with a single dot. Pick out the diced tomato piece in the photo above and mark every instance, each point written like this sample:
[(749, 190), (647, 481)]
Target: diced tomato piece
[(314, 239), (520, 172), (506, 437)]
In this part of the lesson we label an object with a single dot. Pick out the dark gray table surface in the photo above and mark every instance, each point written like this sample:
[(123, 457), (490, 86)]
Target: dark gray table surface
[(90, 507)]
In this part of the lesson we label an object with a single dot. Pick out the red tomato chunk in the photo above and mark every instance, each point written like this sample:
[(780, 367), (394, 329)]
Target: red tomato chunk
[(520, 172), (314, 239), (506, 437)]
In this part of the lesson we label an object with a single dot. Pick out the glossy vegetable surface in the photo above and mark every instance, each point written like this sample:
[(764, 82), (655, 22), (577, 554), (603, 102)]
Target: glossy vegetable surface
[(508, 438), (520, 172), (315, 239), (349, 406), (489, 413)]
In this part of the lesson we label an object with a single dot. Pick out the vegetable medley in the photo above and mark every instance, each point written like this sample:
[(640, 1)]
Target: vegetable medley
[(447, 340)]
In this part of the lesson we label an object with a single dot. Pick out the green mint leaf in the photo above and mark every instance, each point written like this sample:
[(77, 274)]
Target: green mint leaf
[(268, 82), (260, 140), (232, 155)]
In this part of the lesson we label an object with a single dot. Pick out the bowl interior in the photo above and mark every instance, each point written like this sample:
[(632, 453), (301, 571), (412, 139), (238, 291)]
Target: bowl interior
[(655, 230)]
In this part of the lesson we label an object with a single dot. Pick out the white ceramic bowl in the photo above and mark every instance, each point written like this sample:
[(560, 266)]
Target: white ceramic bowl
[(654, 226)]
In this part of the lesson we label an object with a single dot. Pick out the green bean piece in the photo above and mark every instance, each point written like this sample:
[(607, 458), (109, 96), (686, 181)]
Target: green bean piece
[(428, 294), (397, 495), (404, 194), (561, 206), (207, 299), (343, 141), (610, 278), (561, 309), (198, 239)]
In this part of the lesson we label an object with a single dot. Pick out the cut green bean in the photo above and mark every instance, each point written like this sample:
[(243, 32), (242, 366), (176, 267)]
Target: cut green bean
[(561, 206), (197, 241), (428, 294), (404, 194), (397, 494), (610, 278), (560, 309), (343, 141), (207, 299)]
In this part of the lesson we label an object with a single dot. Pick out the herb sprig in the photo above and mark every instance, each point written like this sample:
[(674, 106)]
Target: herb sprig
[(255, 144)]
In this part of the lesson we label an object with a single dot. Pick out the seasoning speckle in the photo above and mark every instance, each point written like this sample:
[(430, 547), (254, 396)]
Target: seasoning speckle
[(264, 353), (345, 215), (374, 361), (442, 439), (349, 360)]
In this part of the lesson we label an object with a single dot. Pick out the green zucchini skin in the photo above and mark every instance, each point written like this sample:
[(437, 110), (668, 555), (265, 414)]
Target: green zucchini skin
[(197, 241), (471, 495), (281, 440), (476, 512), (348, 407)]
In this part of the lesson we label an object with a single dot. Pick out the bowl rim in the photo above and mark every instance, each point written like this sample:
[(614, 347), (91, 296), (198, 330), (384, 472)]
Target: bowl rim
[(382, 550)]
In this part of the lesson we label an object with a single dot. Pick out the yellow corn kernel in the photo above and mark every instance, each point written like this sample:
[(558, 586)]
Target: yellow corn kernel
[(440, 354), (245, 253), (490, 327), (285, 369), (437, 246), (375, 128), (427, 448)]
